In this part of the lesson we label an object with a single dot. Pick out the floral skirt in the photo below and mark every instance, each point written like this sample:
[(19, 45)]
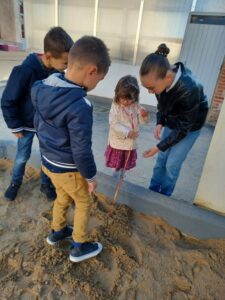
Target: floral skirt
[(120, 159)]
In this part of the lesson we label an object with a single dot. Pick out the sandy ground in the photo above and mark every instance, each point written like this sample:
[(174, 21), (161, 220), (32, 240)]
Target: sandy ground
[(143, 256)]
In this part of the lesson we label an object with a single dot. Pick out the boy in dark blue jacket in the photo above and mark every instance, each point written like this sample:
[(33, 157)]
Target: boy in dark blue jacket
[(17, 106), (63, 121)]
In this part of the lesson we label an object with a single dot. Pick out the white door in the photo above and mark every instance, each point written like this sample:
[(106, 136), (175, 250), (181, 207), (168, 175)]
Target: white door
[(203, 48)]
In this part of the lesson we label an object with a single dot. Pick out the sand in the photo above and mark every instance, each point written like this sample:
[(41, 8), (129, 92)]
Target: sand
[(143, 256)]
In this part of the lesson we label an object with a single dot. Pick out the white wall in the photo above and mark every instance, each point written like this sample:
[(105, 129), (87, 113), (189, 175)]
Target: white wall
[(104, 89), (77, 17), (211, 189), (117, 70), (39, 17)]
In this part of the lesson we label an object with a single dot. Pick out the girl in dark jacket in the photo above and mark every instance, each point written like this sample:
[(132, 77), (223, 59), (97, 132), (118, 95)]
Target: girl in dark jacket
[(182, 110)]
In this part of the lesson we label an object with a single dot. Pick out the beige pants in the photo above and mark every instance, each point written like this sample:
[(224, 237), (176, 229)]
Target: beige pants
[(71, 187)]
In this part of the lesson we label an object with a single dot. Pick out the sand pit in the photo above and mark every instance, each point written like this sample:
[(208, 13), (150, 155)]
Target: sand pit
[(143, 256)]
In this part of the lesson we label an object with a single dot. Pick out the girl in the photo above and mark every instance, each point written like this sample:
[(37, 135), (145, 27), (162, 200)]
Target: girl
[(182, 110), (124, 119)]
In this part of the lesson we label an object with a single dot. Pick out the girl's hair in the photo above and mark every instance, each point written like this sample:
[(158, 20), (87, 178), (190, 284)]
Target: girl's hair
[(127, 87), (156, 62)]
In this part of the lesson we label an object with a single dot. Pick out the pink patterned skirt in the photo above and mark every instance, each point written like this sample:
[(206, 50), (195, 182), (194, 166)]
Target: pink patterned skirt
[(120, 159)]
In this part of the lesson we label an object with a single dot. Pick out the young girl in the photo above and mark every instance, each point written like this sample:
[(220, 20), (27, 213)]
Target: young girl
[(182, 110), (124, 118)]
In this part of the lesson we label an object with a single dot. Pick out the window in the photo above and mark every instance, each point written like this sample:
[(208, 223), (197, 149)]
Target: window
[(117, 26), (77, 17), (163, 21)]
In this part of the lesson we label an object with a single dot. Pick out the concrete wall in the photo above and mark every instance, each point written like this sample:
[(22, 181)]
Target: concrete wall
[(39, 17), (104, 89), (211, 189), (8, 60)]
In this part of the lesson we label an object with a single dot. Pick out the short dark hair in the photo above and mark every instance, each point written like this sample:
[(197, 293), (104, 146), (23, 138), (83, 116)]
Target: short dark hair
[(90, 49), (156, 62), (57, 41), (127, 87)]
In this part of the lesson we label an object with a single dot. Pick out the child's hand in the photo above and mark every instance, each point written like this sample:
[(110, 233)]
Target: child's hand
[(92, 186), (133, 134), (18, 135), (151, 152), (143, 112)]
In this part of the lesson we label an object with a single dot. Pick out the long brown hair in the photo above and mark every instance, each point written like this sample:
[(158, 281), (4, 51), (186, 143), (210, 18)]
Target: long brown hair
[(127, 87)]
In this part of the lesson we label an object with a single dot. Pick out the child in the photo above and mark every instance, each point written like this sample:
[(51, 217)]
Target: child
[(124, 119), (17, 107), (63, 121)]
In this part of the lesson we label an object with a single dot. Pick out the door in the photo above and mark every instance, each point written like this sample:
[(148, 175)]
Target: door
[(203, 48)]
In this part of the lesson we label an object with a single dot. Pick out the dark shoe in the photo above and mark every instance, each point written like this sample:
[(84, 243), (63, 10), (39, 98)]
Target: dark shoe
[(12, 191), (57, 236), (84, 251), (49, 191)]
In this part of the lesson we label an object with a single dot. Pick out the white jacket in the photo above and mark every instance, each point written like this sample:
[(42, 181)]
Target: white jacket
[(121, 121)]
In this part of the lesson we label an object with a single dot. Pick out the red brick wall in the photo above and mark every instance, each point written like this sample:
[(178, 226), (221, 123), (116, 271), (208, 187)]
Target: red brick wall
[(218, 97)]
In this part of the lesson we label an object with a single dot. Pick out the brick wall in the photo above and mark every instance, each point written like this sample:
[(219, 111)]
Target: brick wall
[(218, 97)]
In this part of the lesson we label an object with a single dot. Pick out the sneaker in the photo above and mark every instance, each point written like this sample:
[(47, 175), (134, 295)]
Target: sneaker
[(84, 251), (57, 236), (49, 191), (12, 191)]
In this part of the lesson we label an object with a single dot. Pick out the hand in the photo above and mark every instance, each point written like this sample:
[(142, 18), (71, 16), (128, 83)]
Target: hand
[(133, 134), (143, 112), (151, 152), (92, 185), (19, 135), (157, 131)]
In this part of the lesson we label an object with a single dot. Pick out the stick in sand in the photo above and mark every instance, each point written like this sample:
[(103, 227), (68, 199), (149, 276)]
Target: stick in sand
[(120, 182), (119, 185)]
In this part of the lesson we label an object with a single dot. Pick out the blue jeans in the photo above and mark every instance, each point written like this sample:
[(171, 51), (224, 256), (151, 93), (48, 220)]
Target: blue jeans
[(24, 146), (168, 164)]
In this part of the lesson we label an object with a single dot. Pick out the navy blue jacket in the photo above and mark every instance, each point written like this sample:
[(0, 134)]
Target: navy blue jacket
[(63, 121), (17, 107)]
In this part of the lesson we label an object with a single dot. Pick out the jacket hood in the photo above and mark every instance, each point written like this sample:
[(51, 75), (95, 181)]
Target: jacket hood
[(33, 62), (184, 70), (55, 94)]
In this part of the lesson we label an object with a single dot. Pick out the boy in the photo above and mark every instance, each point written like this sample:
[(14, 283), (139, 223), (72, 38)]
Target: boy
[(63, 121), (17, 106)]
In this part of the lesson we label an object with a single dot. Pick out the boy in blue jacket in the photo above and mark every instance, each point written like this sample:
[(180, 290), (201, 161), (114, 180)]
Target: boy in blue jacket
[(17, 107), (63, 121)]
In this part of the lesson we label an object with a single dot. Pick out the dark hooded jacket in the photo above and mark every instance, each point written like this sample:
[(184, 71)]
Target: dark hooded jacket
[(183, 108), (63, 121), (17, 107)]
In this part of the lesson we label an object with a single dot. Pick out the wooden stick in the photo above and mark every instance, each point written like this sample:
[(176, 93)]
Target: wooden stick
[(119, 184)]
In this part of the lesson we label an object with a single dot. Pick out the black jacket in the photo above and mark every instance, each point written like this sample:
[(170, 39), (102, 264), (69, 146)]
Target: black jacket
[(17, 108), (183, 108)]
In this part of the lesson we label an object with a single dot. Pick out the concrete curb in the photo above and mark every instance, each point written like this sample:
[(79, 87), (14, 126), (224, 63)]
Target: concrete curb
[(189, 219)]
